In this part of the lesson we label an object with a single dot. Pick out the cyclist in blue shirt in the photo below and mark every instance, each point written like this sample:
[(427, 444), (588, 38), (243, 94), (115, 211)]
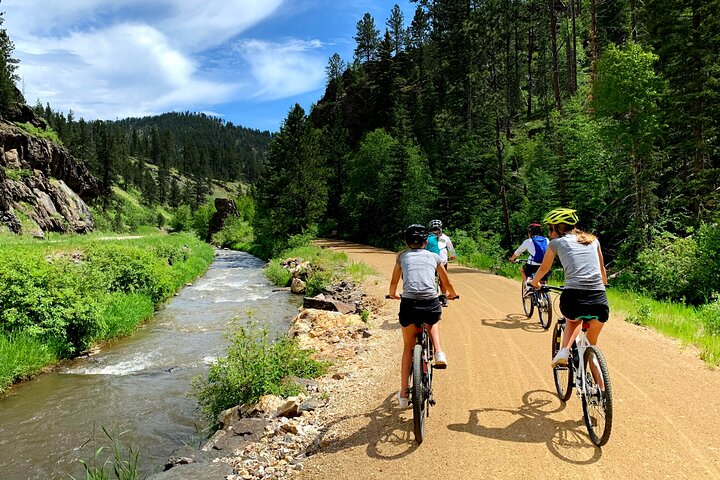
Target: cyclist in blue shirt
[(536, 246)]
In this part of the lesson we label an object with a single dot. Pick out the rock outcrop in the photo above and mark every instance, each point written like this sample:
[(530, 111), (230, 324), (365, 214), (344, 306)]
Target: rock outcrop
[(224, 208), (42, 186)]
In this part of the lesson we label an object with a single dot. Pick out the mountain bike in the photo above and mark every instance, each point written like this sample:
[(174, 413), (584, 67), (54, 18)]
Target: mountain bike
[(590, 378), (421, 376), (540, 299)]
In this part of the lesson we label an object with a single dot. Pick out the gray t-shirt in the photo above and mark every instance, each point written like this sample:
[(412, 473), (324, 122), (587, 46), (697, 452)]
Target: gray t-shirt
[(580, 262), (418, 270)]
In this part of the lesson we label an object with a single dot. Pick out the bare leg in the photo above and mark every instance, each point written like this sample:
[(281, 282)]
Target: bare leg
[(409, 339), (592, 335), (435, 335), (572, 328)]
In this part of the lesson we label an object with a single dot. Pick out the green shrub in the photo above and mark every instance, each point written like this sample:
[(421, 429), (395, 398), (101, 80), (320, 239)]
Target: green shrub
[(132, 269), (201, 219), (254, 366), (317, 281), (182, 219), (706, 274), (47, 133), (234, 234), (710, 315), (278, 274)]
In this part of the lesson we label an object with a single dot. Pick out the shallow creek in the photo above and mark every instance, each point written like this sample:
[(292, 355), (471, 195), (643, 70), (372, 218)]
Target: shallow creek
[(138, 385)]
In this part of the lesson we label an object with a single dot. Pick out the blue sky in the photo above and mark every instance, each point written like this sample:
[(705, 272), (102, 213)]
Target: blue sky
[(247, 61)]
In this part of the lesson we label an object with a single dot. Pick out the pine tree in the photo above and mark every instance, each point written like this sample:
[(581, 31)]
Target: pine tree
[(9, 94), (367, 39)]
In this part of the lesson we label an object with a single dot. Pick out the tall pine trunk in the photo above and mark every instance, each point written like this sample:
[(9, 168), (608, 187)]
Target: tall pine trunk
[(554, 47)]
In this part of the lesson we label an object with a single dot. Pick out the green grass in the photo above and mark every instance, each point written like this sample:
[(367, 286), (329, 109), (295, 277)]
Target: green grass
[(684, 323), (328, 267), (23, 355)]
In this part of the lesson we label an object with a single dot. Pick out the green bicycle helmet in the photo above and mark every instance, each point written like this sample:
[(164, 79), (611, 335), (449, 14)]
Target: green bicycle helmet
[(561, 215)]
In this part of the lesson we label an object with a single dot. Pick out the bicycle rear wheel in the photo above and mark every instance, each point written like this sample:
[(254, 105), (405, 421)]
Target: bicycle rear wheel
[(527, 300), (418, 394), (544, 310), (597, 401), (563, 374)]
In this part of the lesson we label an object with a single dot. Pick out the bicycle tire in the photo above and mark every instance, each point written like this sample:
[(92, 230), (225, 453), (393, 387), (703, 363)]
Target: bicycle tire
[(418, 395), (563, 375), (545, 310), (527, 301), (597, 403)]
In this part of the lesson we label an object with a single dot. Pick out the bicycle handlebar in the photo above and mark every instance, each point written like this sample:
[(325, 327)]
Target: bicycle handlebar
[(547, 288), (388, 297)]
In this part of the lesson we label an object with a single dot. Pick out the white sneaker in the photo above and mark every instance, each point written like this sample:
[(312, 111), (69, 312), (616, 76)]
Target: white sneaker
[(440, 360), (561, 358), (402, 402)]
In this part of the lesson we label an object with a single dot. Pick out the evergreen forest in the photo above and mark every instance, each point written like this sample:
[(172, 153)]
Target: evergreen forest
[(488, 114)]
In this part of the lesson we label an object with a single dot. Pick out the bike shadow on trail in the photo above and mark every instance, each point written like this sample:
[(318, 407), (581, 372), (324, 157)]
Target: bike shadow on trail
[(532, 422), (515, 321), (388, 434)]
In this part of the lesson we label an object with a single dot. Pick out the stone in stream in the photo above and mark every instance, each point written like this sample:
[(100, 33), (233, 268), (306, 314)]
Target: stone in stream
[(195, 471)]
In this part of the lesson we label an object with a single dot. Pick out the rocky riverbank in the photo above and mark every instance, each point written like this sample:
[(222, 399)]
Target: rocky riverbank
[(273, 438)]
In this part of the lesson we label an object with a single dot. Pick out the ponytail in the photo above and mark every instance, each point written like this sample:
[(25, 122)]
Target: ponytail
[(584, 238)]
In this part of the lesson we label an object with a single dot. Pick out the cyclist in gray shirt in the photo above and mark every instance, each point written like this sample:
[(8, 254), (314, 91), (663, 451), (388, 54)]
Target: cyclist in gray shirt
[(585, 277), (419, 302)]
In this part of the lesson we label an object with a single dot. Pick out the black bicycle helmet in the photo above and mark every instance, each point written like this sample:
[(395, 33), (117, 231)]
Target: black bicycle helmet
[(415, 234), (435, 225)]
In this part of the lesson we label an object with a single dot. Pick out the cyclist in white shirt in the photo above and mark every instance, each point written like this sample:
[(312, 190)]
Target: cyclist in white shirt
[(446, 252)]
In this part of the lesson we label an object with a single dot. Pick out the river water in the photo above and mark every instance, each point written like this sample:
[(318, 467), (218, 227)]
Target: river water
[(139, 385)]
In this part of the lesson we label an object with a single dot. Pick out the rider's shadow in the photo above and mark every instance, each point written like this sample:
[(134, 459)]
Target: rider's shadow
[(532, 423), (388, 435), (514, 321)]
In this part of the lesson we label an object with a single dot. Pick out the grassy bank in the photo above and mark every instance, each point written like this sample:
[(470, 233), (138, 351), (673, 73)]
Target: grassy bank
[(328, 266), (62, 295)]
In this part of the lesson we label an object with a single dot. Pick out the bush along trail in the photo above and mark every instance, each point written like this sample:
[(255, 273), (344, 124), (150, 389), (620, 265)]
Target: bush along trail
[(58, 299)]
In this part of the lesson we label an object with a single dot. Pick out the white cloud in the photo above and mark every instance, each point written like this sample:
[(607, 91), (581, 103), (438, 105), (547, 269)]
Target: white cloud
[(194, 24), (126, 70), (282, 70)]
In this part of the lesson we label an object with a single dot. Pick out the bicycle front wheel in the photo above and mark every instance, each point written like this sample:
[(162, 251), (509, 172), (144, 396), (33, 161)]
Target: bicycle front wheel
[(527, 301), (562, 374), (597, 401), (418, 394), (544, 310)]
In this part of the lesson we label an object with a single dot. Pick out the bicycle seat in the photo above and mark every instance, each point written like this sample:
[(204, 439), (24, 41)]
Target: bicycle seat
[(587, 317)]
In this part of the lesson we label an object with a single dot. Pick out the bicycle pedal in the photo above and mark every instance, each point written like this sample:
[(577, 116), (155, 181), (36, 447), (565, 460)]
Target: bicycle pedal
[(432, 402), (440, 367)]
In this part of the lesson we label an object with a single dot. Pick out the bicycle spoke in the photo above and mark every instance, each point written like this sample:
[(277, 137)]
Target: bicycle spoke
[(597, 398)]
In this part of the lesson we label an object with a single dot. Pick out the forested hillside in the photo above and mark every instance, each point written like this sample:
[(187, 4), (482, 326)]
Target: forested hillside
[(488, 114), (170, 158)]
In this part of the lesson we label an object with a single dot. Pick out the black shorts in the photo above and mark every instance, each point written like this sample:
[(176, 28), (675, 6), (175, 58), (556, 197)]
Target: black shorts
[(578, 303), (419, 311), (531, 269)]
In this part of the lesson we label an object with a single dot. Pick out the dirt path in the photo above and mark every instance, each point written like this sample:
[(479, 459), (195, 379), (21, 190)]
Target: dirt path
[(497, 415)]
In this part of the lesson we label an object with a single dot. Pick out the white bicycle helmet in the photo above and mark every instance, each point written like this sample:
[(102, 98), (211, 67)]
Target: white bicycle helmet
[(435, 225)]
